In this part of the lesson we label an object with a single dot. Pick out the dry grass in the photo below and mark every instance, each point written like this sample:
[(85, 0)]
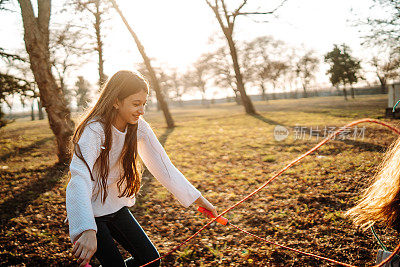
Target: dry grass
[(226, 155)]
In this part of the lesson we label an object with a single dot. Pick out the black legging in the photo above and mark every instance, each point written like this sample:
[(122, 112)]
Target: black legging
[(123, 227)]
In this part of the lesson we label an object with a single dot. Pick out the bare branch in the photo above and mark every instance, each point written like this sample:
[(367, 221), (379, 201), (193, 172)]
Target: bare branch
[(215, 9), (225, 10), (261, 13), (240, 7), (3, 6), (10, 57), (255, 13)]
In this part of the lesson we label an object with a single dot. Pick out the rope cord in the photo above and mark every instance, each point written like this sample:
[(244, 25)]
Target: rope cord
[(397, 249), (378, 239), (293, 249), (394, 108)]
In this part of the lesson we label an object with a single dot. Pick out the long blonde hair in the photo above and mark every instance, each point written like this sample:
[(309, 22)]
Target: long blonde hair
[(121, 85), (380, 202)]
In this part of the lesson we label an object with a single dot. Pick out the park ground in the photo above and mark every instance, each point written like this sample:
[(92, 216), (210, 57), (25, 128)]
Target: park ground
[(226, 154)]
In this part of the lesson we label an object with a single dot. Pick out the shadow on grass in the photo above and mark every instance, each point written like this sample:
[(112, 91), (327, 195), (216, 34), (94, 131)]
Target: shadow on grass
[(365, 146), (17, 131), (26, 149), (17, 204), (50, 177), (266, 120)]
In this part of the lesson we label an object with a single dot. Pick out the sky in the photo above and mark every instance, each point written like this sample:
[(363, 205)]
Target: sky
[(176, 32)]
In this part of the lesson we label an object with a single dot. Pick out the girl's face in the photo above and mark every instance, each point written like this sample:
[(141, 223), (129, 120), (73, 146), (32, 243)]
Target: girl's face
[(131, 107)]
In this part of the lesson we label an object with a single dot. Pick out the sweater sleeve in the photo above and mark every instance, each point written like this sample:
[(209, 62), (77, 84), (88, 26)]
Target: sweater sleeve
[(79, 189), (157, 161)]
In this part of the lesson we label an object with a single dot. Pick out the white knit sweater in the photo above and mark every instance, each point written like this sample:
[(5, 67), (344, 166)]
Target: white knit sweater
[(81, 204)]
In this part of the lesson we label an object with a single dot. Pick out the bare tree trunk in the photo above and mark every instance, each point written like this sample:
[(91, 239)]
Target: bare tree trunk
[(382, 80), (40, 110), (228, 32), (36, 35), (94, 7), (264, 96), (2, 121), (345, 93), (248, 105), (238, 100), (273, 96), (99, 49), (204, 100), (33, 110), (305, 91), (156, 86), (352, 91)]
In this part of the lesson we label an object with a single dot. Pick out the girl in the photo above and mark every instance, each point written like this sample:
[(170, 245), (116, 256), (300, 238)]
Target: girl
[(380, 202), (107, 144)]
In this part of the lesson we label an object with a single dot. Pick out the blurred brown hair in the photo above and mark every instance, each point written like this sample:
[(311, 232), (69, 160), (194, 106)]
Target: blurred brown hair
[(380, 202)]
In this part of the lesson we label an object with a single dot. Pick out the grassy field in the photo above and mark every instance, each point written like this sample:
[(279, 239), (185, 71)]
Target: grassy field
[(226, 154)]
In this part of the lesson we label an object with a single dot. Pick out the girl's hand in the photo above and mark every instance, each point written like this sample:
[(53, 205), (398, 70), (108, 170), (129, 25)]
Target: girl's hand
[(202, 202), (85, 247)]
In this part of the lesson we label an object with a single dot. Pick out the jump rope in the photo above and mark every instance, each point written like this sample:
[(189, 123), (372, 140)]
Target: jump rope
[(225, 222)]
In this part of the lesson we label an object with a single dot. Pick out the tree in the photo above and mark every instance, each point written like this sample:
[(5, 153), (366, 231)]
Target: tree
[(274, 71), (97, 10), (383, 30), (156, 86), (36, 36), (165, 83), (344, 69), (305, 69), (382, 33), (20, 66), (226, 19), (263, 61), (386, 69), (67, 45), (10, 85), (172, 82), (177, 85), (222, 73), (290, 77), (82, 93), (197, 76)]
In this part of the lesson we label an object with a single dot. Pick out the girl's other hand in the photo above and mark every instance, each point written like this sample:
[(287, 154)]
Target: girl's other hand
[(85, 247), (202, 202)]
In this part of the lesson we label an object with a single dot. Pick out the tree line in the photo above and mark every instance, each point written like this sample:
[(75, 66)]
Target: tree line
[(51, 53)]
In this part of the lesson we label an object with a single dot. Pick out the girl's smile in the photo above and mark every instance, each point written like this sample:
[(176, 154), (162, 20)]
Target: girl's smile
[(129, 110)]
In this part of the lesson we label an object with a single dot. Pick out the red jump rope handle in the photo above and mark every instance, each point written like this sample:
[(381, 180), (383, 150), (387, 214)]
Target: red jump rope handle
[(209, 214), (87, 264)]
